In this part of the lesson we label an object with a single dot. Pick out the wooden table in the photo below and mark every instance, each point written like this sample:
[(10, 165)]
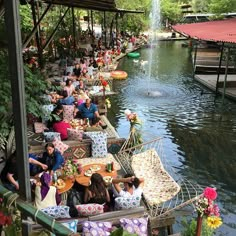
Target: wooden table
[(68, 181), (69, 184), (85, 180)]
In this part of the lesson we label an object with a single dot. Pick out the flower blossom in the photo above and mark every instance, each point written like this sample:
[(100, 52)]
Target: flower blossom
[(210, 193), (214, 222)]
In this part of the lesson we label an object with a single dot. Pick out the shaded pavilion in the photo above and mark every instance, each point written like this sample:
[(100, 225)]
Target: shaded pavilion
[(90, 5), (222, 32)]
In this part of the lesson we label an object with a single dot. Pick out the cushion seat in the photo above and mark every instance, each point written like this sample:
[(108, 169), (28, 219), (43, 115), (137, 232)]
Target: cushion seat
[(103, 160)]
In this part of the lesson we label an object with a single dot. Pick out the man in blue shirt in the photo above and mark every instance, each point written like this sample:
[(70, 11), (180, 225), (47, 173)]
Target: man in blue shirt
[(88, 110)]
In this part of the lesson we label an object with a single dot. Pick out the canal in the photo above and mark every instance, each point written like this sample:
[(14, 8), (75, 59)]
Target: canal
[(198, 131)]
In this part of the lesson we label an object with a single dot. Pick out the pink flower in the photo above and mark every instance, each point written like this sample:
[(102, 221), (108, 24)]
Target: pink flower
[(8, 220), (216, 210), (210, 193)]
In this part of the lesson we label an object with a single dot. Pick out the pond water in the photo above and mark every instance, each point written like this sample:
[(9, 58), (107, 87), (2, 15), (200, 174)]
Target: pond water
[(198, 131)]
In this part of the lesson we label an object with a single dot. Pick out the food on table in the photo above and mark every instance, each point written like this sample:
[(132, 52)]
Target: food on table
[(95, 168), (60, 184), (75, 123), (88, 173), (107, 179)]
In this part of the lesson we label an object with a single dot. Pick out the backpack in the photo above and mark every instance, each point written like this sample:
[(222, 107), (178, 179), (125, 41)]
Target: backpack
[(74, 198)]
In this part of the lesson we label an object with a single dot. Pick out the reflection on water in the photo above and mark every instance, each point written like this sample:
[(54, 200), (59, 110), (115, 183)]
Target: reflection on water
[(198, 131)]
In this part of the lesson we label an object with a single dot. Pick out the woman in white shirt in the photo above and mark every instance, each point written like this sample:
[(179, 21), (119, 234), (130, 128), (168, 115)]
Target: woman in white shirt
[(133, 186)]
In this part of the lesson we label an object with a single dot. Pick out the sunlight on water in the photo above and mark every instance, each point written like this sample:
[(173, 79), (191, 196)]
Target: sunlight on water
[(198, 133)]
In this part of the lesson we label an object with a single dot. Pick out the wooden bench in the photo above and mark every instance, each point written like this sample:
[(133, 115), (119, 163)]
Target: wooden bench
[(112, 216)]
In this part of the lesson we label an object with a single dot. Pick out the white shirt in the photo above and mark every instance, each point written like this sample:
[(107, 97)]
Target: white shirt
[(48, 201), (137, 192)]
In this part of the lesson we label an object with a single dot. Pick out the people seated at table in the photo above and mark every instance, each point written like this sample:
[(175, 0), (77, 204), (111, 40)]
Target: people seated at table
[(9, 174), (56, 115), (83, 64), (80, 97), (67, 76), (66, 100), (45, 194), (93, 62), (96, 192), (133, 186), (61, 127), (52, 158), (77, 70), (35, 165), (90, 71), (69, 87), (84, 75), (96, 125), (87, 110)]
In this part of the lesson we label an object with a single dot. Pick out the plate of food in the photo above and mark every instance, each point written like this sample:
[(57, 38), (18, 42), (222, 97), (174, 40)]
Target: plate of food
[(60, 184), (107, 179), (88, 173), (95, 168)]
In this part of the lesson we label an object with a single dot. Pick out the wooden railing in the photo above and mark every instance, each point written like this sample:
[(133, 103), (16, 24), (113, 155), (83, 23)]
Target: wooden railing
[(41, 218), (97, 82)]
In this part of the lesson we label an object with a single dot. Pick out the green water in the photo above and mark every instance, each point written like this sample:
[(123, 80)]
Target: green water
[(198, 131)]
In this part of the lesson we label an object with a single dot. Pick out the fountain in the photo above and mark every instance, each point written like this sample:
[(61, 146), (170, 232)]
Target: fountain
[(154, 26)]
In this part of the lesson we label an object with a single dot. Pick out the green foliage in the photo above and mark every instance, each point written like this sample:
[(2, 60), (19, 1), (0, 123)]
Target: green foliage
[(171, 10), (35, 86), (121, 232), (26, 18), (189, 228), (134, 23), (200, 6), (222, 6)]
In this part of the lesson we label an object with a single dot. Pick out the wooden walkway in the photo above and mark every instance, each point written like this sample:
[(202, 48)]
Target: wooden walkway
[(210, 82)]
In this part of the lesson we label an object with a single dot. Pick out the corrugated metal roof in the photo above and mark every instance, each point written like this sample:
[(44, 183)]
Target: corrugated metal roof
[(101, 5), (217, 31)]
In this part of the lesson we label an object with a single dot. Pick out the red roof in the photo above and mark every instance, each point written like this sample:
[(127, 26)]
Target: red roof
[(218, 31)]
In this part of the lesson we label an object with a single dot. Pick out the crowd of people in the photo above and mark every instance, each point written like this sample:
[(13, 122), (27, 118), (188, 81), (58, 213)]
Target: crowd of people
[(75, 92), (46, 195)]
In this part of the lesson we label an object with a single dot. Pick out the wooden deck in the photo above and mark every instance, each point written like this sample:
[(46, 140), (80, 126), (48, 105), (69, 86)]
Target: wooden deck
[(210, 82), (207, 62)]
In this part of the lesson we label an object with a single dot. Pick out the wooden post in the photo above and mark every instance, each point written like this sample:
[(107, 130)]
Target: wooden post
[(37, 34), (35, 27), (226, 73), (199, 226), (91, 13), (105, 29), (88, 20), (195, 58), (55, 30), (12, 21), (219, 68), (117, 14), (74, 29)]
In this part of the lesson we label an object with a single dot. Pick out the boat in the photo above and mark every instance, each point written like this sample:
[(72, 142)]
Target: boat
[(133, 54), (119, 74)]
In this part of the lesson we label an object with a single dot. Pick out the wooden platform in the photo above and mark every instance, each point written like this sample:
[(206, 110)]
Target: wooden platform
[(210, 82), (207, 62)]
